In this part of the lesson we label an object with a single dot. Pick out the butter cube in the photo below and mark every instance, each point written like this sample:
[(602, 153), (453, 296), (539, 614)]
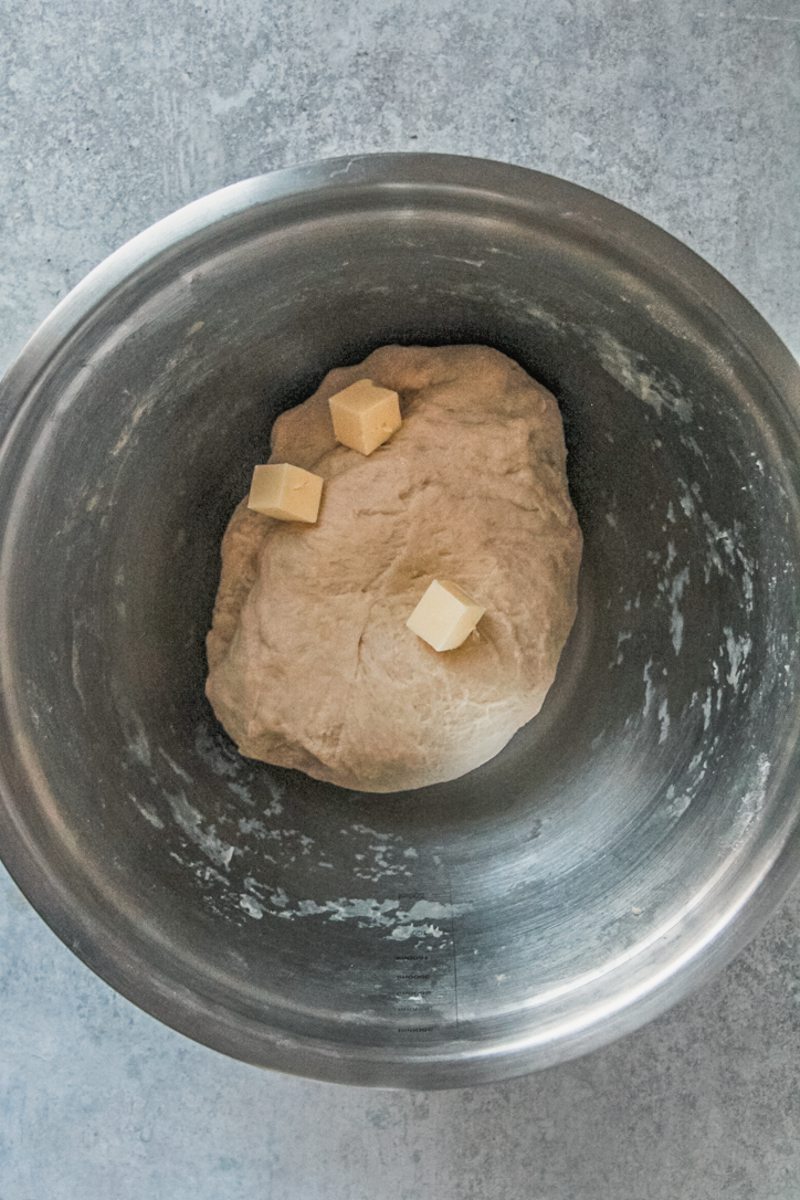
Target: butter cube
[(445, 616), (285, 492), (365, 415)]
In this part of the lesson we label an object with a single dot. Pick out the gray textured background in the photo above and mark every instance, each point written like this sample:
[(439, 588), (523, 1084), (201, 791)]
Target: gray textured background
[(114, 113)]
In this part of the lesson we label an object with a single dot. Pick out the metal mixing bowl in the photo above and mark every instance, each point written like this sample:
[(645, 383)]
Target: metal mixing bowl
[(622, 847)]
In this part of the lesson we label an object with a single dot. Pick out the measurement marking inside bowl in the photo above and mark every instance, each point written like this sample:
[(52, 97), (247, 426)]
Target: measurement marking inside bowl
[(420, 974)]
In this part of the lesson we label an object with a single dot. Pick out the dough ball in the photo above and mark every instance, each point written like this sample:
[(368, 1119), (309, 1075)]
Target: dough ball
[(311, 663)]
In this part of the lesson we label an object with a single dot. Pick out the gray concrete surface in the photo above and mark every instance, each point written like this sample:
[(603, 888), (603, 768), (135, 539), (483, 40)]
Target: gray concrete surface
[(111, 115)]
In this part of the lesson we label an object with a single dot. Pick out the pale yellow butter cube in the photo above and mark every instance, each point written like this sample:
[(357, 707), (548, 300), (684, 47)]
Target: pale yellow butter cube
[(285, 492), (365, 415), (445, 616)]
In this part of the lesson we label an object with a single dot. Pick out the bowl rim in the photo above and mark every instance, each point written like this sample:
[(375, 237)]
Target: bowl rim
[(455, 1063)]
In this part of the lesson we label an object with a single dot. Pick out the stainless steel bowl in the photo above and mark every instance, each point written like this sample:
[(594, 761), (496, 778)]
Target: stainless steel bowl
[(624, 845)]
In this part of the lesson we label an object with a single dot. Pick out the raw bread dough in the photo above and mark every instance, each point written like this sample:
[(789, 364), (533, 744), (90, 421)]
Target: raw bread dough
[(311, 663)]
